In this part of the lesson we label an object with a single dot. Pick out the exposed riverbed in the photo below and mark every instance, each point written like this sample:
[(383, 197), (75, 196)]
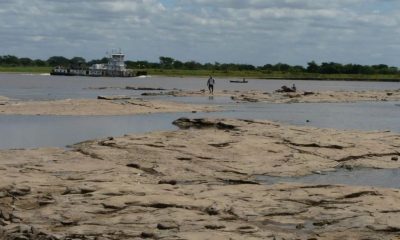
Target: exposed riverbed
[(216, 179)]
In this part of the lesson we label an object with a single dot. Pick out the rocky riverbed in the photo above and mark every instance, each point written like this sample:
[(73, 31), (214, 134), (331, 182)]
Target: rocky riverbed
[(199, 183), (291, 97)]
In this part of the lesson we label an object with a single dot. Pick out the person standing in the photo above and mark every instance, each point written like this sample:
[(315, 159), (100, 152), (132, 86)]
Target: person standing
[(210, 84)]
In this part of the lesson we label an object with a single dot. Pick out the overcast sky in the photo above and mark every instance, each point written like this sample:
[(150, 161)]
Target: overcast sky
[(238, 31)]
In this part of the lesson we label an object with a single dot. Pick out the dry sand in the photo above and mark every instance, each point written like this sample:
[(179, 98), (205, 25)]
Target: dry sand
[(199, 183)]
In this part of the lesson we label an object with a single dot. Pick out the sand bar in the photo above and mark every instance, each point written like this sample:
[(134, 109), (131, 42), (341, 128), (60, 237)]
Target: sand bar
[(97, 107)]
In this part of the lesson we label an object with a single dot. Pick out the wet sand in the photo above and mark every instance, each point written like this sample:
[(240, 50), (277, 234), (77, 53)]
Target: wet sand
[(199, 183)]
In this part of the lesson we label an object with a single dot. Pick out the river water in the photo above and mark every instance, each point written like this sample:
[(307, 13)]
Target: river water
[(59, 87), (59, 131)]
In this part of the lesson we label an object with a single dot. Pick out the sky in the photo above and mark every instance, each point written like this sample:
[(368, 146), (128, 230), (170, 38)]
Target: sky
[(254, 32)]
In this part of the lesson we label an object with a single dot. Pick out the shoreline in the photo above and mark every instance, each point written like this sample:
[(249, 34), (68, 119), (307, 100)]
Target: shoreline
[(250, 75), (197, 183)]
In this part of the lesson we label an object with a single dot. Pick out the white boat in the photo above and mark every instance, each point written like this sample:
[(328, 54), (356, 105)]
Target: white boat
[(115, 67)]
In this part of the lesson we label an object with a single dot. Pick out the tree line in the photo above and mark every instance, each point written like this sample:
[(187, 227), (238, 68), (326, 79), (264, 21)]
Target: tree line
[(170, 63)]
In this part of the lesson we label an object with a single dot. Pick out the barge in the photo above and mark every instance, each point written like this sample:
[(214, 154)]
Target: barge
[(115, 67)]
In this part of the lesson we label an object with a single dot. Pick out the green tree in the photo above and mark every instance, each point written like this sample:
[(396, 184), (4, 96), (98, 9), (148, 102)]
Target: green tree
[(192, 65), (166, 62), (25, 62), (58, 61), (10, 60), (177, 64), (312, 67), (39, 63), (77, 62)]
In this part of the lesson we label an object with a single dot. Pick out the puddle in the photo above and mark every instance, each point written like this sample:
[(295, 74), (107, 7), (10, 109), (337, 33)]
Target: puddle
[(388, 178), (368, 116)]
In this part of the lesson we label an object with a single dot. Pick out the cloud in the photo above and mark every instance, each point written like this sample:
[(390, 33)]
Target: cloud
[(253, 31)]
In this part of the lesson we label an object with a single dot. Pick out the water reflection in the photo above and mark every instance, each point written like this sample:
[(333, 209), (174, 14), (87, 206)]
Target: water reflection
[(59, 131), (389, 178), (36, 131)]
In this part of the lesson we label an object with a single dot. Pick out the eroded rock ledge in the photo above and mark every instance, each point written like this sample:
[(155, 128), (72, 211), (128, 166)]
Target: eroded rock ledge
[(198, 183)]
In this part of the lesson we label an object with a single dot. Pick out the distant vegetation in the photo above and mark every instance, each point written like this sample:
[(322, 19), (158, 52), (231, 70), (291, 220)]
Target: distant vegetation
[(172, 67)]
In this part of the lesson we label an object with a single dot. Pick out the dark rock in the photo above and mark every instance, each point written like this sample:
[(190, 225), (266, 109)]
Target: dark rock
[(86, 189), (170, 182), (395, 158), (239, 181), (348, 167), (212, 210), (148, 170), (81, 190), (248, 229), (221, 125), (133, 165), (20, 191), (148, 235), (300, 226), (186, 123), (285, 89), (152, 94), (69, 222), (113, 97), (167, 226), (113, 206), (214, 227)]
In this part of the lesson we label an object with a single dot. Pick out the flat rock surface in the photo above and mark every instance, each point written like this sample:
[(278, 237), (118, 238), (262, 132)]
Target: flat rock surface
[(199, 183), (90, 107), (318, 97), (293, 97)]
